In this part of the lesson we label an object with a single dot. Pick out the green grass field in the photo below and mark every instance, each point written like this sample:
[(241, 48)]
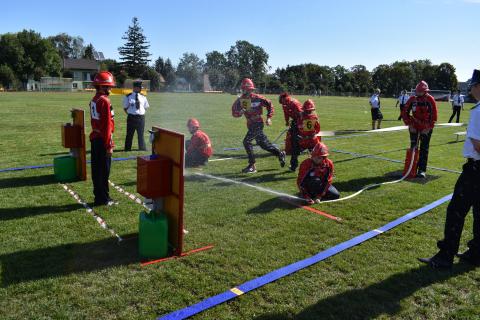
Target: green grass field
[(56, 262)]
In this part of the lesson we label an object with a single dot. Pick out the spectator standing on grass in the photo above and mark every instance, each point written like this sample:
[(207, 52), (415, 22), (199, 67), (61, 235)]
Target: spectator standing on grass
[(402, 100), (457, 106), (101, 119), (251, 106), (315, 176), (199, 147), (420, 115), (375, 109), (134, 105), (465, 196)]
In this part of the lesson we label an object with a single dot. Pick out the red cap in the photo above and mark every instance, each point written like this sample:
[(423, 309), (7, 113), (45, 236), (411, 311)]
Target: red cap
[(104, 78), (247, 84), (192, 122), (421, 87), (320, 150), (309, 105)]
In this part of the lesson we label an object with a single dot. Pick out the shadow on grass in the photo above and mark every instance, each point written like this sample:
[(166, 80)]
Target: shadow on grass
[(241, 155), (259, 177), (357, 184), (27, 181), (67, 259), (379, 299), (59, 153), (272, 204), (22, 212), (128, 184)]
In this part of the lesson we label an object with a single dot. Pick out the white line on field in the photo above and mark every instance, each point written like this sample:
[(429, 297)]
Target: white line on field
[(361, 155), (89, 210), (280, 194)]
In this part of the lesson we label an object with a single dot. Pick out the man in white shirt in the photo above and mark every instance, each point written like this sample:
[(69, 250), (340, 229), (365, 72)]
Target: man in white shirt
[(402, 99), (375, 109), (457, 105), (134, 105), (465, 196)]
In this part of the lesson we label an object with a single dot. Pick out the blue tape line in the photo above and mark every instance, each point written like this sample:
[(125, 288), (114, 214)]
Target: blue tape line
[(294, 267), (28, 167), (122, 159), (51, 165)]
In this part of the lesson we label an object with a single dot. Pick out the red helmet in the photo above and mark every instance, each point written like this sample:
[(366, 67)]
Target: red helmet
[(104, 78), (247, 84), (422, 87), (320, 150), (192, 122), (309, 105), (284, 96)]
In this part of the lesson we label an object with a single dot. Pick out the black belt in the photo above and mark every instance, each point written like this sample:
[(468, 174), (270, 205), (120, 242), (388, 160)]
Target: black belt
[(136, 115), (471, 160)]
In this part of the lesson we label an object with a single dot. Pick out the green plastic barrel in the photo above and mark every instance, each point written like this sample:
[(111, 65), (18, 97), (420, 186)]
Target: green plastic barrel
[(65, 168), (153, 235)]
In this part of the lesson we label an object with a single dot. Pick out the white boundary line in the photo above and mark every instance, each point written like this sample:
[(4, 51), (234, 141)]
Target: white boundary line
[(280, 194), (89, 210), (131, 196), (361, 155), (134, 198)]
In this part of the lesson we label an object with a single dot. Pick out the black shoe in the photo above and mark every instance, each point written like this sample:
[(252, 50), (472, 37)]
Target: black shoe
[(469, 257), (281, 158), (292, 168), (249, 169), (437, 262)]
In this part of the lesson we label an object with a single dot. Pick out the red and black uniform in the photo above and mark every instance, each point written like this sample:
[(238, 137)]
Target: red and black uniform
[(251, 106), (101, 118), (199, 149), (307, 127), (420, 114), (315, 180), (292, 108)]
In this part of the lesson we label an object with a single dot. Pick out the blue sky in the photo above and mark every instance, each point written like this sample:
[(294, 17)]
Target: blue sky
[(345, 32)]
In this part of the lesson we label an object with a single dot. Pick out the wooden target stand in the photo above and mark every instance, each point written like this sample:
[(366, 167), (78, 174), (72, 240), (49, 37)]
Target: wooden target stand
[(73, 137), (155, 178)]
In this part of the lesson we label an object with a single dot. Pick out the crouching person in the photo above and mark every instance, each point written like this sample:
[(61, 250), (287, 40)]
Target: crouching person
[(199, 147), (315, 176)]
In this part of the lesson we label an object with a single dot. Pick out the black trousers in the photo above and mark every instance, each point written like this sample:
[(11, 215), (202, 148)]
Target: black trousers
[(135, 123), (194, 159), (101, 163), (401, 109), (255, 131), (465, 196), (314, 186), (456, 111), (294, 142), (424, 140)]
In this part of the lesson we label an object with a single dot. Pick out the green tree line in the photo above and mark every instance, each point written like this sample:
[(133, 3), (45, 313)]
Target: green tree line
[(26, 55)]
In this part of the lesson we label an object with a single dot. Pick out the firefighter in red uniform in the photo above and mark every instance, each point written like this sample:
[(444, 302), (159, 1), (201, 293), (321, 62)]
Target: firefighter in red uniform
[(251, 106), (292, 109), (199, 147), (308, 127), (420, 123), (101, 117), (315, 176)]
